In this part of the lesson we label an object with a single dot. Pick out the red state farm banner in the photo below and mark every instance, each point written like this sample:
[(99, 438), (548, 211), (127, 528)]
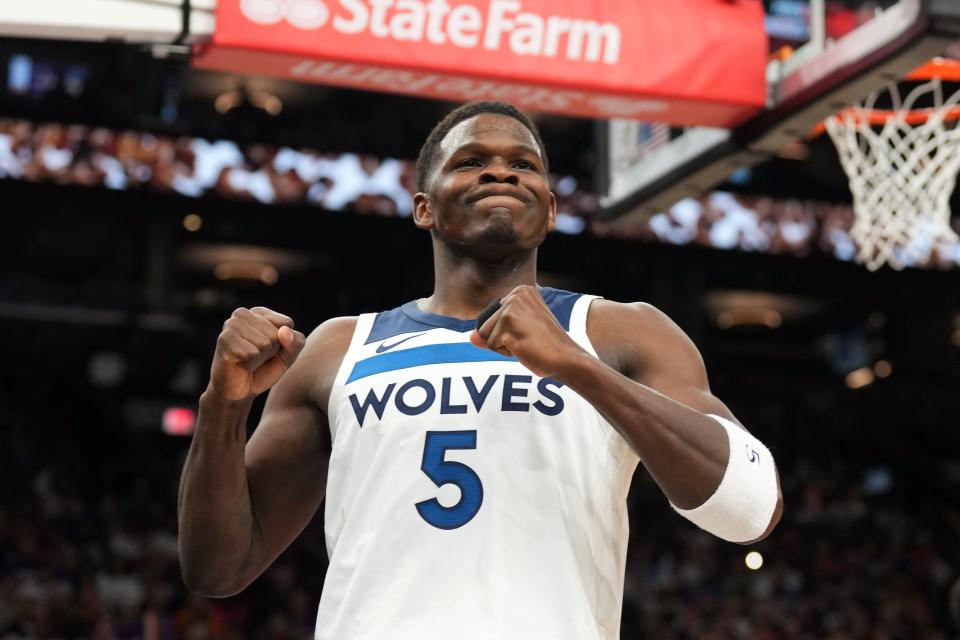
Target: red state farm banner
[(687, 62)]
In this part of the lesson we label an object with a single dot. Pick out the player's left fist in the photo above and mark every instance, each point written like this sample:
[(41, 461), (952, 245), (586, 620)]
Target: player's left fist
[(525, 328)]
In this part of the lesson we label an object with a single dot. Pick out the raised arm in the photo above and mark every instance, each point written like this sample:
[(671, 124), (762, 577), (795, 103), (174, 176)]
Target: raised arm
[(681, 431), (650, 384), (242, 503)]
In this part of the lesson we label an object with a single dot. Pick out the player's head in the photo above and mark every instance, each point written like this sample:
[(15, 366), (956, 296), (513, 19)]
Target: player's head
[(427, 159), (482, 175)]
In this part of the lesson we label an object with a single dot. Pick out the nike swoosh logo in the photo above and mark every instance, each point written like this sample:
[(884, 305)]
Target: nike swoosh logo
[(385, 347)]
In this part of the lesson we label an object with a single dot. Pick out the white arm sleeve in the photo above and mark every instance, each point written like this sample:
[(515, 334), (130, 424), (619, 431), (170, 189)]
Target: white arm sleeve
[(741, 508)]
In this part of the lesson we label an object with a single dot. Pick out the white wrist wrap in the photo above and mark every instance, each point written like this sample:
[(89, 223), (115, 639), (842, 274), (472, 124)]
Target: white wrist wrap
[(742, 506)]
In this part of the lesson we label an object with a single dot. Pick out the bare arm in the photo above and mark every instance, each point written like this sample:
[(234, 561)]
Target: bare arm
[(659, 403), (649, 383), (241, 503)]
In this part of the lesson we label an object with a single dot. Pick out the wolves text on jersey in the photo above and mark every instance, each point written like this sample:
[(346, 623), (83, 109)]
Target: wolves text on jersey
[(513, 397)]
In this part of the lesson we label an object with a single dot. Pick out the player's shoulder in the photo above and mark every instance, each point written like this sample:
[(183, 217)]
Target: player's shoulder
[(609, 314), (625, 333), (330, 337), (315, 370)]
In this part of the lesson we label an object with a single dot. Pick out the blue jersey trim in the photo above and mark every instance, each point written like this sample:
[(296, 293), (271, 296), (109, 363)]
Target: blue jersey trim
[(561, 303), (392, 323), (409, 318), (428, 354)]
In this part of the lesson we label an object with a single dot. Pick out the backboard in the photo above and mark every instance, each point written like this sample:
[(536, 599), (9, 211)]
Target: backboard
[(803, 89)]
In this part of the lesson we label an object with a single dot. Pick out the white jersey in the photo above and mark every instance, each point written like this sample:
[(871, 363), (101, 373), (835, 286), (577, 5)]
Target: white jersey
[(468, 498)]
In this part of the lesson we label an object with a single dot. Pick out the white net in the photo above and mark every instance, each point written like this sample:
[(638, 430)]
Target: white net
[(902, 172)]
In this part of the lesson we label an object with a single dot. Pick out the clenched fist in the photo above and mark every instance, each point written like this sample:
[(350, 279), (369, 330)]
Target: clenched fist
[(525, 328), (254, 349)]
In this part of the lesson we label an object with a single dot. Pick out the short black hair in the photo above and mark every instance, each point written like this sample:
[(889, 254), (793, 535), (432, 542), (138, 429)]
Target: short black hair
[(428, 152)]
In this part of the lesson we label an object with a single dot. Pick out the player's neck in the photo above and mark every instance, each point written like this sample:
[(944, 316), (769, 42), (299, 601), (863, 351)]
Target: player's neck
[(463, 286)]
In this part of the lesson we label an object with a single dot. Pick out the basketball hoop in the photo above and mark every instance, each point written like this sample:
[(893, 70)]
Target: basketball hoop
[(902, 163)]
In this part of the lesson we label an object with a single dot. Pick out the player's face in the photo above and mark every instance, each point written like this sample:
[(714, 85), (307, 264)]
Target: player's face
[(489, 191)]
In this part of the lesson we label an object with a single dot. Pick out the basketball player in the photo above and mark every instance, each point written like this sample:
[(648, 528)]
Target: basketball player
[(475, 480)]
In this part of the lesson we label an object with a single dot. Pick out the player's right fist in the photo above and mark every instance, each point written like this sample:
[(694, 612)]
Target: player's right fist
[(254, 349)]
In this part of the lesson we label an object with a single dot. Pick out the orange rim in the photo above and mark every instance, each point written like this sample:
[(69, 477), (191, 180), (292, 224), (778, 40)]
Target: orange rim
[(880, 117), (947, 69)]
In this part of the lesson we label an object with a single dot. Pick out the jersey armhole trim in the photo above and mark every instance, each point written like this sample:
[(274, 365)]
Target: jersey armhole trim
[(578, 322), (360, 332), (625, 458)]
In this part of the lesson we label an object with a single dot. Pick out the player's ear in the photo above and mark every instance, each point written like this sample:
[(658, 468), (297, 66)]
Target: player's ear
[(552, 212), (422, 215)]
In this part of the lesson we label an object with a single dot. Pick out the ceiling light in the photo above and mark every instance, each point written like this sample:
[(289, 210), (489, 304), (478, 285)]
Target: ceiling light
[(753, 560), (192, 222), (883, 368), (730, 308), (860, 378), (246, 270), (230, 100), (266, 101), (227, 101), (749, 316)]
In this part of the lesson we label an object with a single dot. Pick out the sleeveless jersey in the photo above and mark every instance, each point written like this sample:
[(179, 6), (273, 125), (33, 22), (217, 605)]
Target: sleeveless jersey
[(466, 497)]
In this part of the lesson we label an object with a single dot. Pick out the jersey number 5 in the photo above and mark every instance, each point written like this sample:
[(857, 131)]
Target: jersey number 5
[(442, 472)]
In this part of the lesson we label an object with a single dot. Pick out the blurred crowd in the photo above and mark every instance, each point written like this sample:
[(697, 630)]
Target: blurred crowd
[(195, 167), (866, 549), (724, 220), (88, 547)]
